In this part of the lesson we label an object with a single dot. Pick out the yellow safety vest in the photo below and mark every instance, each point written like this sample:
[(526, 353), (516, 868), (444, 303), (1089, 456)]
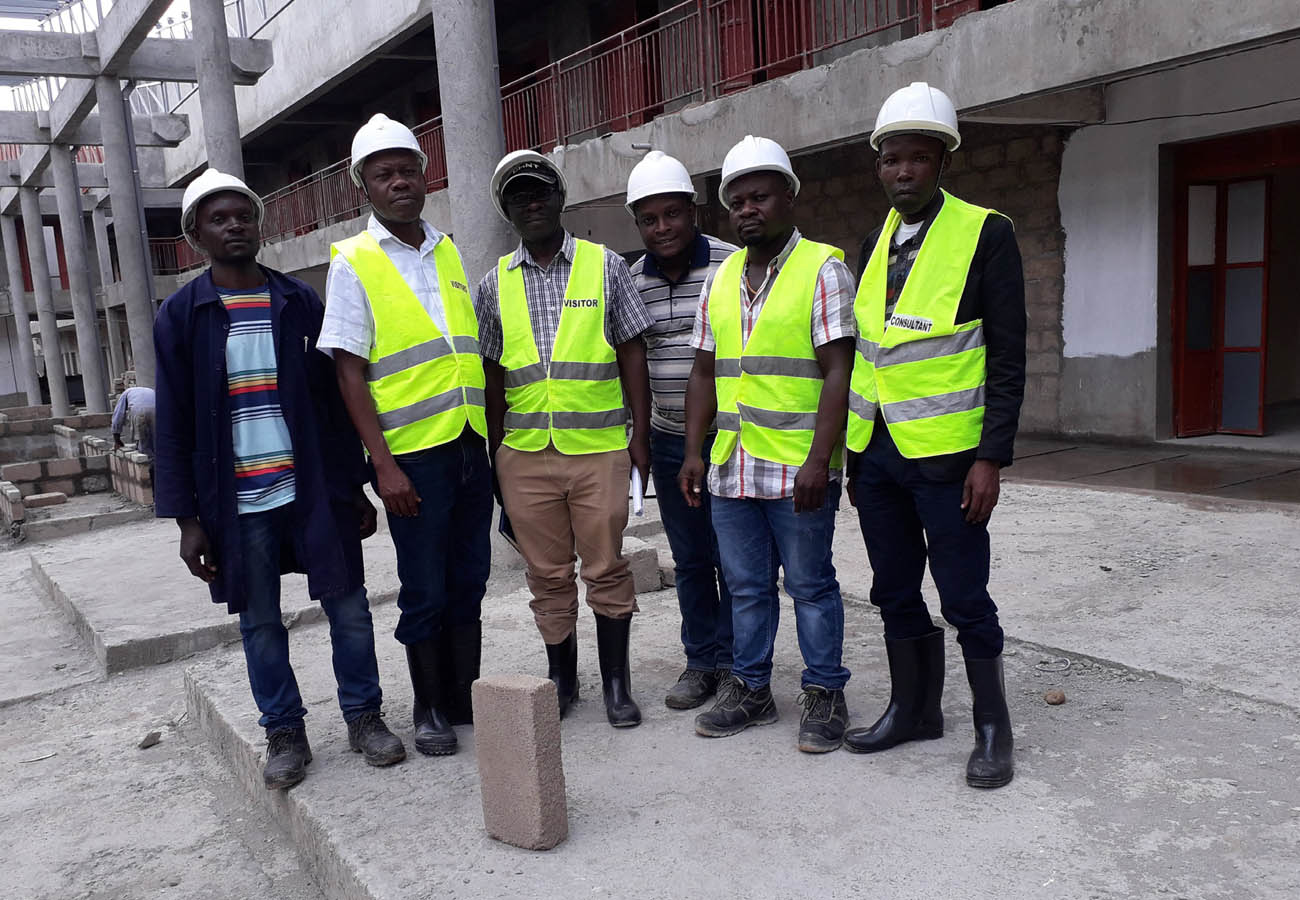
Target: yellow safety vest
[(426, 385), (576, 402), (768, 387), (925, 373)]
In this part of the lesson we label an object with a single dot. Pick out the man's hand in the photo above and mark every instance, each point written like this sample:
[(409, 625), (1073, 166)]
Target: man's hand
[(980, 493), (196, 551), (396, 490), (690, 479), (365, 513), (810, 486), (639, 450)]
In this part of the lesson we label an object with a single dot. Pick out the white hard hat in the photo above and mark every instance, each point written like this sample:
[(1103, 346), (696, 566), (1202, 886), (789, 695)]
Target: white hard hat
[(755, 154), (917, 109), (382, 133), (657, 173), (209, 183), (524, 164)]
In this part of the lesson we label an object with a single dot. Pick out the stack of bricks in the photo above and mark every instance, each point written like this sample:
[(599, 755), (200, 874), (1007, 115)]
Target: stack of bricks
[(69, 477), (131, 477), (12, 511), (46, 426), (69, 443)]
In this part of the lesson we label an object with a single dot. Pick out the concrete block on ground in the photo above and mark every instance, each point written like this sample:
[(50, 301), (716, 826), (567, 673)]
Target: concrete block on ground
[(521, 770), (643, 560), (24, 471), (51, 498), (97, 463)]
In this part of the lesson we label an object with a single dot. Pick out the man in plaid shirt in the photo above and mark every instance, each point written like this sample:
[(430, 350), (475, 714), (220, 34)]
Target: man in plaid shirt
[(560, 325), (774, 350)]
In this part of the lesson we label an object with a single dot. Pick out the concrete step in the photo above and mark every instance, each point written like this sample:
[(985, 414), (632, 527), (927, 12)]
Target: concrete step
[(88, 512), (135, 604), (40, 652)]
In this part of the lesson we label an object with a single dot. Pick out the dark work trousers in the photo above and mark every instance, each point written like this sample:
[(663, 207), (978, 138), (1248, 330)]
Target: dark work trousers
[(444, 554), (702, 594), (907, 516)]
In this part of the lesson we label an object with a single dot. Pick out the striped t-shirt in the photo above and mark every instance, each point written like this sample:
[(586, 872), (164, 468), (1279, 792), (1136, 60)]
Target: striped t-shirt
[(673, 305), (263, 448)]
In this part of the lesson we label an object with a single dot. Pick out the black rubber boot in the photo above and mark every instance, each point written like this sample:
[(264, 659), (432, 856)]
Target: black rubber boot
[(562, 668), (287, 756), (434, 735), (461, 656), (990, 764), (914, 712), (615, 673)]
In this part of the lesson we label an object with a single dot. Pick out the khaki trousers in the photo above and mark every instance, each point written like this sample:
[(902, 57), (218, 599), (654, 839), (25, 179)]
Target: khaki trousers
[(560, 504)]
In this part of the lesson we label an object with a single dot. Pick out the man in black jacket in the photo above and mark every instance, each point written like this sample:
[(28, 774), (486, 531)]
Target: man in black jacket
[(259, 465), (934, 405)]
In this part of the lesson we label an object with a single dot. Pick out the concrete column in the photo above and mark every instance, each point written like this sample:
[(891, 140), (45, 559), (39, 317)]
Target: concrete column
[(216, 87), (137, 283), (31, 208), (468, 82), (27, 377), (112, 316), (68, 195)]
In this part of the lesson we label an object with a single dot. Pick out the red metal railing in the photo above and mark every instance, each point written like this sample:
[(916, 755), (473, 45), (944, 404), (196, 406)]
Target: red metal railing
[(695, 50), (173, 255)]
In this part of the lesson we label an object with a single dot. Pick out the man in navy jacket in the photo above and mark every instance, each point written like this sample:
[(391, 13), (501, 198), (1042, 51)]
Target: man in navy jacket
[(259, 464)]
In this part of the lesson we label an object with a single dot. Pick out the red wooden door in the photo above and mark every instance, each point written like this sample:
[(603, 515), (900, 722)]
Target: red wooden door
[(734, 22)]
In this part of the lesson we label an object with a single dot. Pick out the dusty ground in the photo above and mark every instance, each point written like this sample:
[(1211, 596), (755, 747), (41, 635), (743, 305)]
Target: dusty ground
[(1169, 772)]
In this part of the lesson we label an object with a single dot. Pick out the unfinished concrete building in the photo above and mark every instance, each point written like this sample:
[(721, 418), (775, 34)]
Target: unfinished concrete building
[(1146, 152)]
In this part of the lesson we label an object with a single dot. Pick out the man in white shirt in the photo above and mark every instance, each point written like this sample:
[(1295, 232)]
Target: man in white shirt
[(400, 324)]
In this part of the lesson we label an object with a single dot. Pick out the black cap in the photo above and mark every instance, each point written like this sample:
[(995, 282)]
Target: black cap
[(529, 169)]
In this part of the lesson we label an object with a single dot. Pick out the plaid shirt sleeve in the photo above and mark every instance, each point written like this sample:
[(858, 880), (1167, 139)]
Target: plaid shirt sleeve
[(702, 336), (833, 316), (625, 312), (487, 309)]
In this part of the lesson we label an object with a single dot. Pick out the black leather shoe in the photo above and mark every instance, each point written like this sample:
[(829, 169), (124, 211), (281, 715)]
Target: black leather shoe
[(615, 673), (914, 712), (369, 736), (460, 659), (990, 764), (825, 716), (693, 687), (434, 735), (287, 756), (737, 708), (562, 668)]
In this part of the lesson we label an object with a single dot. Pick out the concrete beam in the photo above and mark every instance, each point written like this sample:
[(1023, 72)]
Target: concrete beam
[(150, 131), (1083, 106), (49, 54), (123, 29)]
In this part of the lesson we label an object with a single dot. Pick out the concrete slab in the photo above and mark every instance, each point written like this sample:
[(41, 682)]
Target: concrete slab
[(1137, 786), (1080, 461), (151, 610), (1283, 488), (40, 652), (1193, 474), (1034, 446), (89, 512)]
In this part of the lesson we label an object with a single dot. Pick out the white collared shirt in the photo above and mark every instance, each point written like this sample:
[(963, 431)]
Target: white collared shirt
[(349, 324)]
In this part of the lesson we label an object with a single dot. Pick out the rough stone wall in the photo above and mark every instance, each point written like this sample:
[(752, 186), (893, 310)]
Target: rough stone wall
[(132, 477), (81, 475), (1014, 169)]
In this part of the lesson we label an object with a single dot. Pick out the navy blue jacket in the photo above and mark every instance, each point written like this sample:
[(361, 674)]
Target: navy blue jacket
[(194, 454)]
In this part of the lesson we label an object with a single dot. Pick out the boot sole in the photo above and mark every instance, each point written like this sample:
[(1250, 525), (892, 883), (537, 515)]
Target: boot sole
[(674, 703), (849, 746), (381, 761), (989, 783), (284, 784), (705, 731), (814, 744), (437, 749)]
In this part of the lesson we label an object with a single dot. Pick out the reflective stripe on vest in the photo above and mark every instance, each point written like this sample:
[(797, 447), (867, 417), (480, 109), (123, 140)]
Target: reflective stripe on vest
[(768, 390), (924, 373), (426, 385), (577, 402)]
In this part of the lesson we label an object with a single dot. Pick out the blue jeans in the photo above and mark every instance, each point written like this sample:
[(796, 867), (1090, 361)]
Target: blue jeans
[(907, 518), (702, 593), (262, 537), (758, 537), (444, 553)]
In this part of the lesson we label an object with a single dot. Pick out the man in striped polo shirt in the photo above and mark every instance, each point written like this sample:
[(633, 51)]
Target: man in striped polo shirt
[(259, 465), (678, 259)]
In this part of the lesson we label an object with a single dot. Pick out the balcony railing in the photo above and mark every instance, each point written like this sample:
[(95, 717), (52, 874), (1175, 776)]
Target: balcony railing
[(694, 51)]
